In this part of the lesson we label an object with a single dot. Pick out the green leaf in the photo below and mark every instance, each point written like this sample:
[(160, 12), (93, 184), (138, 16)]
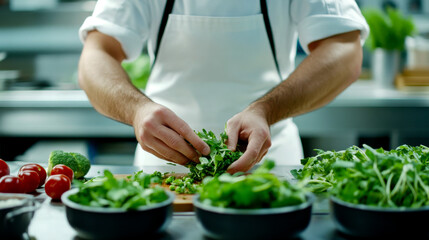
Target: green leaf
[(388, 30)]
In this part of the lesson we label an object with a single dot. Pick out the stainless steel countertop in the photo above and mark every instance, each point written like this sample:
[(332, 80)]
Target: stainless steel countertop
[(50, 221), (362, 93)]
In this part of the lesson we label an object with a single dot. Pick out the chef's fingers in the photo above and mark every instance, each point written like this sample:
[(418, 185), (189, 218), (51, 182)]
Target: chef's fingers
[(150, 150), (176, 142), (182, 128), (165, 152), (232, 133), (264, 151), (257, 140)]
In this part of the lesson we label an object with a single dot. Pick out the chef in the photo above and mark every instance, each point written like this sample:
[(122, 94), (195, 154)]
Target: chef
[(219, 65)]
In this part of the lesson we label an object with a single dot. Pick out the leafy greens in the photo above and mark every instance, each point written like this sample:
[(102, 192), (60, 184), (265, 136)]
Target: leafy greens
[(376, 177), (219, 159), (261, 189), (109, 192)]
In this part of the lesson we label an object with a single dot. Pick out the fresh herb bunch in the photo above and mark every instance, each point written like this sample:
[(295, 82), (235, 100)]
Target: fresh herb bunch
[(397, 178), (261, 189), (219, 159), (109, 192)]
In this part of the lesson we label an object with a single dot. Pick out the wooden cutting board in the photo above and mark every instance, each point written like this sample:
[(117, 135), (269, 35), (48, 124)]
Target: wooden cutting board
[(182, 202)]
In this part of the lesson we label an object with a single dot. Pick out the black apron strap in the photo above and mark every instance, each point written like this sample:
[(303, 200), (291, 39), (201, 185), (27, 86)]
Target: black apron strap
[(264, 11), (167, 10)]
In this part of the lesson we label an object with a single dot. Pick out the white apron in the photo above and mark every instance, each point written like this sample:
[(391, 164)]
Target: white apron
[(210, 68)]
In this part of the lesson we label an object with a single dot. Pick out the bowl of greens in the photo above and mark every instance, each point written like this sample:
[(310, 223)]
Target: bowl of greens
[(254, 206), (382, 193), (374, 192), (110, 208)]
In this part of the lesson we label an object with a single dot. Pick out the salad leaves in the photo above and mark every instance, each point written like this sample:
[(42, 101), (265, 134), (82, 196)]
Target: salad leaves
[(109, 192), (261, 189)]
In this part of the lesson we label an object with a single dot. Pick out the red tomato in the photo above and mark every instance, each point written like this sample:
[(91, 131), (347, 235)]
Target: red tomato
[(56, 185), (29, 179), (62, 169), (4, 168), (10, 184), (39, 169)]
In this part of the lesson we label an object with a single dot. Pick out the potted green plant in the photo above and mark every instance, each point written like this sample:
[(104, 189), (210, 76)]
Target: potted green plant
[(388, 31)]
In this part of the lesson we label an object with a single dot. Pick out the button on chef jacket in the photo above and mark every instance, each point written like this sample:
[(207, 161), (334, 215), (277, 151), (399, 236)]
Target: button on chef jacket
[(215, 57)]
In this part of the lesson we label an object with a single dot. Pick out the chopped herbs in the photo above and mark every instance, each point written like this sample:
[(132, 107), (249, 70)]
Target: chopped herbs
[(376, 177), (185, 185), (261, 189)]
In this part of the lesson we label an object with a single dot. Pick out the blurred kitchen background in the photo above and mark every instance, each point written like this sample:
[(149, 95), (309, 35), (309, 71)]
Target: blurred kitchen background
[(42, 108)]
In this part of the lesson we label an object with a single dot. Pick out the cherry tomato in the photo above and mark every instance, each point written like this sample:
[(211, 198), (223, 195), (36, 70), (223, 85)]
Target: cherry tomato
[(29, 179), (39, 169), (56, 185), (4, 168), (10, 184), (62, 169)]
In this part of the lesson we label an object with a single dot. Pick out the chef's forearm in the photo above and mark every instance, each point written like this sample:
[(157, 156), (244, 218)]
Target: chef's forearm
[(332, 66), (106, 83)]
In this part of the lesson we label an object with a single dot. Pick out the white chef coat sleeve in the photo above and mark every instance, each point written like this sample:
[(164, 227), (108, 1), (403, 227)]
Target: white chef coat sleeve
[(125, 20), (318, 19)]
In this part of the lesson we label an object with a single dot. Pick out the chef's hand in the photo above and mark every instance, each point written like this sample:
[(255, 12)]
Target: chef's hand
[(161, 132), (252, 127)]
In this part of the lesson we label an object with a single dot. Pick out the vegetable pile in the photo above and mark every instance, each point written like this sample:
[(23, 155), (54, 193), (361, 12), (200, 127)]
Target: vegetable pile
[(219, 159), (131, 193), (376, 177), (261, 189)]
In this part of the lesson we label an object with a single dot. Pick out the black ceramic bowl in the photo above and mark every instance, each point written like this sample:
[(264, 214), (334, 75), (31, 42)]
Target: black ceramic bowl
[(14, 219), (376, 222), (266, 223), (110, 223)]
